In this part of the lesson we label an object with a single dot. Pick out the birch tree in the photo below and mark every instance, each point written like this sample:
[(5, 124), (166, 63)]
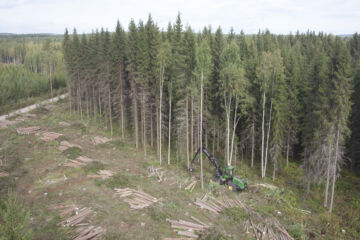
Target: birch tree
[(203, 66)]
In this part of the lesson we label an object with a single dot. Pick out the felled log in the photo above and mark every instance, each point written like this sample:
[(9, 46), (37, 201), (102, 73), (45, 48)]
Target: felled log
[(198, 221), (187, 234), (190, 227), (191, 185), (207, 205)]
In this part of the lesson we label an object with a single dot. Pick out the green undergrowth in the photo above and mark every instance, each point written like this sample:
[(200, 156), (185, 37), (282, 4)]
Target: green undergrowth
[(93, 167), (72, 152)]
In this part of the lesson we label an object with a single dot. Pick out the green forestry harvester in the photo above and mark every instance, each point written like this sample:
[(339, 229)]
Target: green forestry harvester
[(223, 177)]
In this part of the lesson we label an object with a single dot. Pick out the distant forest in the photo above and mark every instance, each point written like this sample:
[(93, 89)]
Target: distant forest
[(264, 99), (30, 66)]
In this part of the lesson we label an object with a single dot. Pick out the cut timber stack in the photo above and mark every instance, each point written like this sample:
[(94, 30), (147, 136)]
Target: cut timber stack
[(49, 136), (82, 231), (65, 145), (28, 130), (79, 217), (136, 199), (187, 229), (99, 140), (88, 232)]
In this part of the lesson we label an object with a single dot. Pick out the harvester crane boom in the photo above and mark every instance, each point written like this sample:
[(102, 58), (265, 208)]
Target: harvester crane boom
[(212, 159)]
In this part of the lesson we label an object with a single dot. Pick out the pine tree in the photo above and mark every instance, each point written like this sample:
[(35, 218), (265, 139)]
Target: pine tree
[(118, 64), (132, 70)]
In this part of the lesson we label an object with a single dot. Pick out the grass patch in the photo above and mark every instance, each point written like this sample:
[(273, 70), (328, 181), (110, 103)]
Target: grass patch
[(116, 181), (80, 126), (72, 152), (156, 214), (62, 138), (297, 231), (93, 167), (235, 214)]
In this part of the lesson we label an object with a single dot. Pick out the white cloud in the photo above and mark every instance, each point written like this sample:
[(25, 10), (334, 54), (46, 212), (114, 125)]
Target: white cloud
[(279, 16)]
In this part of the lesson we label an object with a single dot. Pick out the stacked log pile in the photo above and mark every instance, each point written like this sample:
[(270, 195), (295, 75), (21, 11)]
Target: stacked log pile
[(187, 229), (100, 140), (75, 218), (136, 199), (79, 217), (28, 130), (50, 136), (88, 232)]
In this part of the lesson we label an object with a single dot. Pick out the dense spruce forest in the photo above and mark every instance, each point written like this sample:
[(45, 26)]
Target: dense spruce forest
[(265, 99), (30, 66)]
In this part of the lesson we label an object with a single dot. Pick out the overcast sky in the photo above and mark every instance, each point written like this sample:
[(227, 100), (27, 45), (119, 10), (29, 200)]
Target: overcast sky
[(279, 16)]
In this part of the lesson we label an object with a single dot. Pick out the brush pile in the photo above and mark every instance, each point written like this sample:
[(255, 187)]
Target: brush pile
[(100, 140), (65, 145), (136, 199), (187, 229), (268, 228), (5, 123), (3, 174), (64, 124), (263, 228), (158, 172), (79, 162), (102, 174), (50, 136), (28, 130)]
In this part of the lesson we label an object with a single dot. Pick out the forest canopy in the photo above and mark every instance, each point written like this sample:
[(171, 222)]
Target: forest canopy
[(269, 98)]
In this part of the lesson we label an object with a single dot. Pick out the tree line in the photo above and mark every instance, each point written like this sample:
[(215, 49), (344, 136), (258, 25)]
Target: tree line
[(30, 66), (267, 98)]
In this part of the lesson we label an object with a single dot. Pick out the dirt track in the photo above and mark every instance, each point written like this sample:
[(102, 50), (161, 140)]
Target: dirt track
[(32, 107)]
